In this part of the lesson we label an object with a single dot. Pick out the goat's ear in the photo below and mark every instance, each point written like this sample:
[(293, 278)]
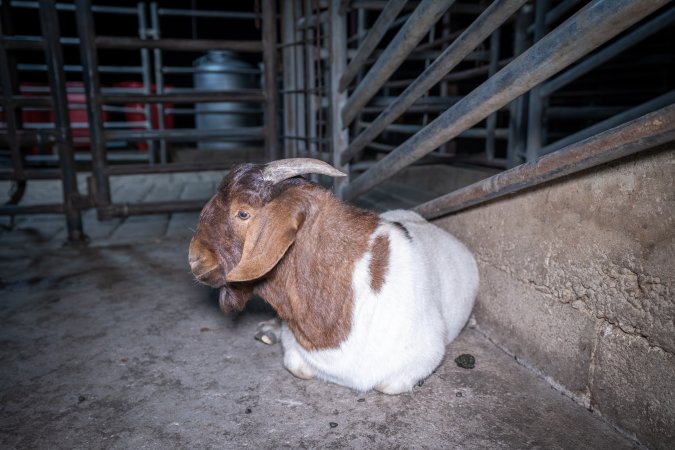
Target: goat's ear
[(270, 234)]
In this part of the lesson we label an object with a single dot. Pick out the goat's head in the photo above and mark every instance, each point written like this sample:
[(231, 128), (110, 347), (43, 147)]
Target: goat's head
[(248, 225)]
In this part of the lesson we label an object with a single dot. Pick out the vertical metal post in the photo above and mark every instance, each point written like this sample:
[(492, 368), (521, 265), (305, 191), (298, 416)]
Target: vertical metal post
[(159, 78), (147, 78), (290, 113), (517, 139), (49, 22), (269, 39), (311, 34), (9, 89), (491, 125), (535, 122), (300, 94), (90, 73), (337, 35)]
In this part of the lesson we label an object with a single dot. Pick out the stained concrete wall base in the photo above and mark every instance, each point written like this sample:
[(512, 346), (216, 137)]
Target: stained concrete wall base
[(577, 280)]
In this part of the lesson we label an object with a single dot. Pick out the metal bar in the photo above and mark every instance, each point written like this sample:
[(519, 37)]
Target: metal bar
[(159, 76), (71, 7), (535, 110), (492, 118), (269, 39), (15, 210), (517, 125), (374, 36), (187, 135), (622, 44), (147, 78), (210, 14), (493, 17), (79, 69), (90, 74), (289, 82), (190, 45), (145, 169), (630, 114), (49, 22), (337, 41), (640, 134), (453, 76), (416, 27), (194, 96), (299, 73), (30, 174), (118, 210), (7, 81), (596, 23)]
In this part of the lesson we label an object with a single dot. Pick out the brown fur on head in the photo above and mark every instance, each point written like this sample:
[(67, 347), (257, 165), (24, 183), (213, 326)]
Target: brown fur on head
[(248, 225)]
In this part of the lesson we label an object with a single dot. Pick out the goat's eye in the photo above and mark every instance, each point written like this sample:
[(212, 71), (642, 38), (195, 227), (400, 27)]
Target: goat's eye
[(243, 215)]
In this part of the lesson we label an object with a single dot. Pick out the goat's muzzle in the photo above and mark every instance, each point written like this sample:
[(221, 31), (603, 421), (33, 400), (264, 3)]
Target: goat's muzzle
[(204, 265)]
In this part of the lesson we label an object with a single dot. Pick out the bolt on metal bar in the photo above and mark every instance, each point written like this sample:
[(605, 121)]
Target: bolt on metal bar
[(413, 31), (593, 25), (640, 134), (49, 23), (493, 17), (374, 36), (630, 114), (625, 42)]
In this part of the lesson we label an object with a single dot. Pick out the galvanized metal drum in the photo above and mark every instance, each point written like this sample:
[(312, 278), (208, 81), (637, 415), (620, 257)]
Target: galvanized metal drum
[(225, 71)]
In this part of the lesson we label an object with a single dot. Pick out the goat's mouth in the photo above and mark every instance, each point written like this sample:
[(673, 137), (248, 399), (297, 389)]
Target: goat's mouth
[(207, 275)]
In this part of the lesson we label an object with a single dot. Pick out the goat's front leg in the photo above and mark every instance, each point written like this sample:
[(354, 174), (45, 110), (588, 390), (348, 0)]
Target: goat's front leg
[(294, 362)]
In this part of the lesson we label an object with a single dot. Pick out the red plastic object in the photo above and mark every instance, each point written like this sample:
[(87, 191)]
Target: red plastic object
[(140, 115)]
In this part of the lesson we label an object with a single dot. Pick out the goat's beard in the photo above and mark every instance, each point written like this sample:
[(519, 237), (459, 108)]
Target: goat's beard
[(233, 299)]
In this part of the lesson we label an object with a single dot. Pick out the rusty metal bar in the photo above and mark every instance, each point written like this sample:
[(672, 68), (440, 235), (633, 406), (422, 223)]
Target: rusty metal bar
[(145, 169), (536, 101), (337, 42), (413, 31), (49, 22), (640, 134), (596, 23), (90, 74), (189, 45), (374, 36), (479, 30), (630, 114), (187, 135), (289, 81), (15, 210), (269, 39), (118, 210), (622, 44), (9, 88), (193, 96)]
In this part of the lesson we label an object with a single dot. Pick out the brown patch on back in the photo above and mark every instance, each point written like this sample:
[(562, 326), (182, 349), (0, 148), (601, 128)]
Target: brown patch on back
[(379, 262)]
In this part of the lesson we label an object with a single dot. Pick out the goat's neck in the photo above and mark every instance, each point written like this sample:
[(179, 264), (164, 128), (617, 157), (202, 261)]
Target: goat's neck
[(311, 288)]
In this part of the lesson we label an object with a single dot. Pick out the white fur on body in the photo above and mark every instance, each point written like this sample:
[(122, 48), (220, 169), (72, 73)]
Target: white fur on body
[(399, 333)]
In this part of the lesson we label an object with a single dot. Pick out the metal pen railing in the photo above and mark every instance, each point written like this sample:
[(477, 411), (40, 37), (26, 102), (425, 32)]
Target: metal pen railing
[(372, 100), (151, 100)]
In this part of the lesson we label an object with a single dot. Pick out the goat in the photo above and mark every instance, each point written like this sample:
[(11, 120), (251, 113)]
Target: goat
[(366, 301)]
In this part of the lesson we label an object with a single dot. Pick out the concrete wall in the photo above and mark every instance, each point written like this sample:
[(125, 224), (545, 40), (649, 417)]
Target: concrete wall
[(577, 282)]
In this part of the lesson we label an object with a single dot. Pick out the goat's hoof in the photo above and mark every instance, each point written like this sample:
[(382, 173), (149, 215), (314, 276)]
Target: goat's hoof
[(266, 337), (269, 331)]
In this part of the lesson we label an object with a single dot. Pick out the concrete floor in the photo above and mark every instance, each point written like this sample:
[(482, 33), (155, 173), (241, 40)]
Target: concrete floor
[(113, 345)]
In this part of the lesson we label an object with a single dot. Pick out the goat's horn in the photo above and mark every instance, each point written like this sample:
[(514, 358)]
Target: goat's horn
[(283, 169)]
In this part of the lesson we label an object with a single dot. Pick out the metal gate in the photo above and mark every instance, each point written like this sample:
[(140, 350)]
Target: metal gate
[(371, 86)]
